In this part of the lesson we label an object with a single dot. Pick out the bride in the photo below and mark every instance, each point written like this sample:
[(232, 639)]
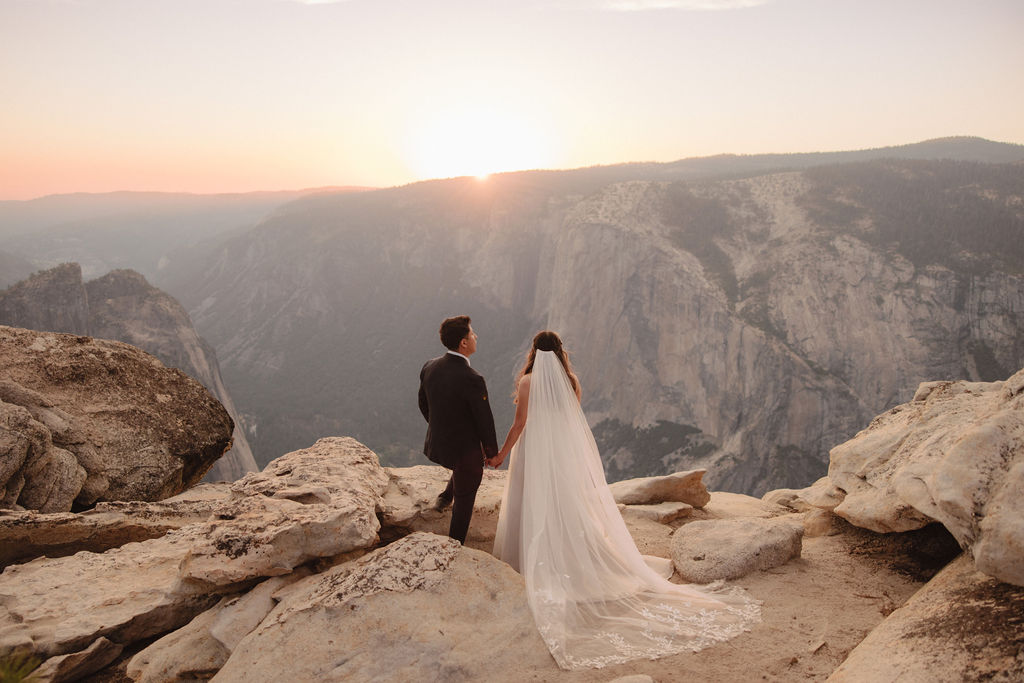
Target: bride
[(595, 599)]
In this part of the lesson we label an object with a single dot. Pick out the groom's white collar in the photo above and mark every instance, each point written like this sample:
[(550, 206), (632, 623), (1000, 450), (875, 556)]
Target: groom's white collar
[(456, 353)]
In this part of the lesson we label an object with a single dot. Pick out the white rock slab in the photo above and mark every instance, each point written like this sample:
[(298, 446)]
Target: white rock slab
[(705, 551), (682, 487), (320, 501), (62, 605), (662, 513)]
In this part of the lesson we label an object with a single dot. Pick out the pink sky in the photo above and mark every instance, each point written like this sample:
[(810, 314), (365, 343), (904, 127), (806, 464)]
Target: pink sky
[(232, 95)]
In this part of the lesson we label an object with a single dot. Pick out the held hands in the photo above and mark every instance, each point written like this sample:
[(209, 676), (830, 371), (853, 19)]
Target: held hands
[(496, 461)]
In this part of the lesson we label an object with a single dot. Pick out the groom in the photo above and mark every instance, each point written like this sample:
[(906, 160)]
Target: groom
[(460, 426)]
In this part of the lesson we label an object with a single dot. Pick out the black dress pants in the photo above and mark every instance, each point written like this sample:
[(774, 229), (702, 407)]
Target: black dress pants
[(461, 489)]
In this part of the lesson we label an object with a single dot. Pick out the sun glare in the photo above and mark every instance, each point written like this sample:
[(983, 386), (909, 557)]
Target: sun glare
[(477, 142)]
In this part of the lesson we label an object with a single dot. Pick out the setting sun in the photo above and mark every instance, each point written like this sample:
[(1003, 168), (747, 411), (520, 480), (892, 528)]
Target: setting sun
[(477, 142)]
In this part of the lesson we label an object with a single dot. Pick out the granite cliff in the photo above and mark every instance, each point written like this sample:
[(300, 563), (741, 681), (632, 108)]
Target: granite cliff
[(122, 306), (745, 325)]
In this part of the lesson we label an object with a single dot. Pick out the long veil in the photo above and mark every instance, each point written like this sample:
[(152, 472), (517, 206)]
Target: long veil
[(594, 599)]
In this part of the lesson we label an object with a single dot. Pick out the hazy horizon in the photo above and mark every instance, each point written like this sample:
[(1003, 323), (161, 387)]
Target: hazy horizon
[(359, 188), (223, 96)]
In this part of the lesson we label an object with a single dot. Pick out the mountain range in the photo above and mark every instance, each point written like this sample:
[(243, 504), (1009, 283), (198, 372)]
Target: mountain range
[(143, 231), (738, 313)]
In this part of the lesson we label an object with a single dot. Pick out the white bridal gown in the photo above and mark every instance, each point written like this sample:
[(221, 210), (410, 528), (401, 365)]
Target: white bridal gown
[(595, 600)]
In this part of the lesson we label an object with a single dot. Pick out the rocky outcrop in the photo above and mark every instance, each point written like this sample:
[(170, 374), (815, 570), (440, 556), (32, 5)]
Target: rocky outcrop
[(27, 534), (962, 626), (954, 454), (705, 551), (182, 566), (324, 552), (90, 420), (272, 523), (124, 307), (400, 613), (319, 555), (317, 502)]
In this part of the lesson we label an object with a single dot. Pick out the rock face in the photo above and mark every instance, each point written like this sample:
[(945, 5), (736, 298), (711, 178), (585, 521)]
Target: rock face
[(51, 301), (705, 551), (744, 326), (962, 626), (122, 306), (89, 420), (385, 614), (954, 454)]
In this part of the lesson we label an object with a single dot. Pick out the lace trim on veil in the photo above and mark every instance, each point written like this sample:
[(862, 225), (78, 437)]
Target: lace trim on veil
[(666, 630)]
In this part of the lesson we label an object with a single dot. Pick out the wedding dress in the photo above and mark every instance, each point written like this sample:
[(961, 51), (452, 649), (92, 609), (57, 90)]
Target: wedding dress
[(594, 598)]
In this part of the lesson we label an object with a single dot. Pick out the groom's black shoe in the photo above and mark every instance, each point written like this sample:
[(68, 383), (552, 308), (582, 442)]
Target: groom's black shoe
[(442, 503)]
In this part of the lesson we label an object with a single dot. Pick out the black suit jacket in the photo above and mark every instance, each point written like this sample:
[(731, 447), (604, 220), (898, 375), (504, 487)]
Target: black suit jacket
[(453, 399)]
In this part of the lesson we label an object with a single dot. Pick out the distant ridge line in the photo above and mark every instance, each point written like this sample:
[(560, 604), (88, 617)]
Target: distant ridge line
[(957, 147)]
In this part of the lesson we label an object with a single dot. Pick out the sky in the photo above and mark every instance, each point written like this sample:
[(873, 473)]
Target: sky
[(212, 96)]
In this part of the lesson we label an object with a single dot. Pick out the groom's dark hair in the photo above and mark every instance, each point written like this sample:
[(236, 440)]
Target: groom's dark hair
[(454, 330)]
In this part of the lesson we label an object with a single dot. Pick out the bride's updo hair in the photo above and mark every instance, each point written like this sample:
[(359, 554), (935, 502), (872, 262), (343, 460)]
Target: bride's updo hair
[(546, 340)]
